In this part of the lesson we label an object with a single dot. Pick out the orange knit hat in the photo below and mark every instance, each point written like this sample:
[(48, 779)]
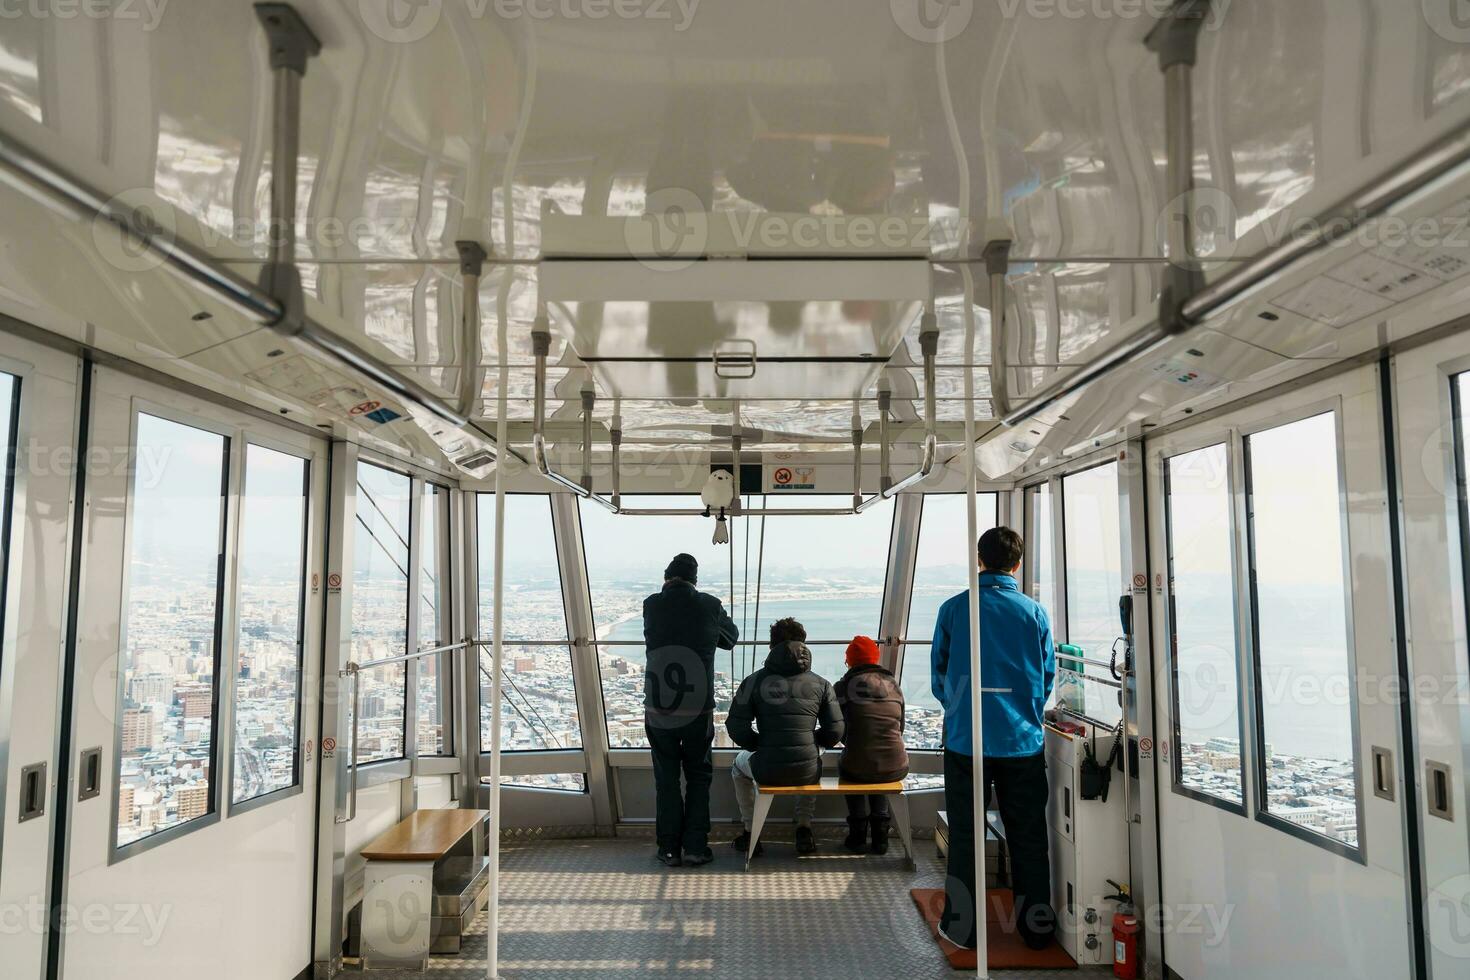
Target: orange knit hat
[(862, 650)]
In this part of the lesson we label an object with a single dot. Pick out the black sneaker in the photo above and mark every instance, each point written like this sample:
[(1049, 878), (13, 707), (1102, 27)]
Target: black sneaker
[(806, 843), (698, 859), (742, 844), (670, 858)]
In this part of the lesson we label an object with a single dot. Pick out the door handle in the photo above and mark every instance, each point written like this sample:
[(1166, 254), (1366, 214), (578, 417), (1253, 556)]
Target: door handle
[(90, 770), (1383, 777), (1440, 779), (32, 792)]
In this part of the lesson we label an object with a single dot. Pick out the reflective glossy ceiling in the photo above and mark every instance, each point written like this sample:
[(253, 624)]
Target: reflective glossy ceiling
[(855, 132)]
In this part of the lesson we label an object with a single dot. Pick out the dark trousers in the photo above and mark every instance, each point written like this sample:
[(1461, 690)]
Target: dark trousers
[(860, 807), (1021, 791), (683, 817)]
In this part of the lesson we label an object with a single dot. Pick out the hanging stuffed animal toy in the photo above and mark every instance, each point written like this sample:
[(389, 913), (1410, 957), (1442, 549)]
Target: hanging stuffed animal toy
[(719, 492)]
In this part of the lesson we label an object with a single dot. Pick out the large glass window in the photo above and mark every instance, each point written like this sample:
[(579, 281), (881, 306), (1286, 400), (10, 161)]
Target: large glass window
[(433, 672), (380, 608), (1094, 571), (1303, 659), (272, 580), (9, 399), (939, 573), (826, 571), (539, 701), (1202, 623), (171, 629), (626, 558)]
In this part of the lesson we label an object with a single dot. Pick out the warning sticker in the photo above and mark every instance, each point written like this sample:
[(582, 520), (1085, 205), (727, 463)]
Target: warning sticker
[(334, 583), (783, 478), (363, 408)]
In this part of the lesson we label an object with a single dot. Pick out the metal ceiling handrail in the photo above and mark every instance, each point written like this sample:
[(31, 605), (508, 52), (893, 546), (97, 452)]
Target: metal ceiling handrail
[(1448, 158), (52, 185), (541, 348)]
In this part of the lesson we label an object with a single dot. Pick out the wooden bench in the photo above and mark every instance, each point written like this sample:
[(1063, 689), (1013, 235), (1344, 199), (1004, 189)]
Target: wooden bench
[(400, 900), (834, 786)]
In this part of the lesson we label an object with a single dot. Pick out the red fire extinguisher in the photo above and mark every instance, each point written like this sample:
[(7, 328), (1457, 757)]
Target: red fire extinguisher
[(1125, 935)]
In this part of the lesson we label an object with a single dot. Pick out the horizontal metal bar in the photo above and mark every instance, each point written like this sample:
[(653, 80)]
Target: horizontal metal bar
[(1094, 722), (1443, 161), (743, 512), (50, 184), (1093, 678), (1438, 162), (353, 667)]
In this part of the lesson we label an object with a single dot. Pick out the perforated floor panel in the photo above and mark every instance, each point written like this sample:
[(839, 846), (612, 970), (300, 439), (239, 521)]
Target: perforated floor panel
[(607, 909)]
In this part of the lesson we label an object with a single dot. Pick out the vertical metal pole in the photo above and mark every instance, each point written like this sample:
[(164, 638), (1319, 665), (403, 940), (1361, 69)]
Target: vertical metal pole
[(471, 267), (972, 563), (857, 452), (1176, 42), (997, 262), (589, 399), (492, 910), (885, 401), (285, 149)]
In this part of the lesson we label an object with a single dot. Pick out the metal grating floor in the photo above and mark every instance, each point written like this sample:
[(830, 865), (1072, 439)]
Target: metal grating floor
[(607, 909)]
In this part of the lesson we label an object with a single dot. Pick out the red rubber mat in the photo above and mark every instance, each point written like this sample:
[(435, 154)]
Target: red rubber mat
[(1005, 948)]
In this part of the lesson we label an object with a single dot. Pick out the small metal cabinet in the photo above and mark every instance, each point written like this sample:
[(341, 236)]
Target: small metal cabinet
[(1089, 845)]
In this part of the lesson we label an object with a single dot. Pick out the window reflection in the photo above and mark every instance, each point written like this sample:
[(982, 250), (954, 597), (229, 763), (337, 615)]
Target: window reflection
[(272, 566), (1202, 623), (433, 672), (1094, 571), (380, 609), (539, 696), (171, 629), (1304, 662), (939, 573)]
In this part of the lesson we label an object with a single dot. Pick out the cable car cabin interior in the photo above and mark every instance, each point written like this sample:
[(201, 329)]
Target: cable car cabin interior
[(625, 488)]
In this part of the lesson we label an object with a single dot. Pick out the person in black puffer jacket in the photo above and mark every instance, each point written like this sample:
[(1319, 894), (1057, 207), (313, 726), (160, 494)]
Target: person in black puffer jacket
[(682, 627), (872, 746), (783, 716)]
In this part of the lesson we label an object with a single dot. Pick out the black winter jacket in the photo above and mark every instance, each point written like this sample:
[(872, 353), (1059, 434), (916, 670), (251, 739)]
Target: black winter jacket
[(786, 715), (682, 626), (872, 710)]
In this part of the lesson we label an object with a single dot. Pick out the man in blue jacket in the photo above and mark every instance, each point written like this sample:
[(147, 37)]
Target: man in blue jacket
[(1018, 658)]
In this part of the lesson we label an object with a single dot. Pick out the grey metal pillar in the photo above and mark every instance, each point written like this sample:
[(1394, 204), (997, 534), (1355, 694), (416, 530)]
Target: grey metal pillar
[(1138, 703), (408, 795), (471, 266), (336, 708), (586, 669), (903, 549), (467, 688)]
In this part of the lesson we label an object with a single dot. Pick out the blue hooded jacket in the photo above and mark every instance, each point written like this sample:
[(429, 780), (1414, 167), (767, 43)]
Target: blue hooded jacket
[(1016, 652)]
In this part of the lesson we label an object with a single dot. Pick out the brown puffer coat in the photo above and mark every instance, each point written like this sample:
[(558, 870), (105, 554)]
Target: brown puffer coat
[(872, 713)]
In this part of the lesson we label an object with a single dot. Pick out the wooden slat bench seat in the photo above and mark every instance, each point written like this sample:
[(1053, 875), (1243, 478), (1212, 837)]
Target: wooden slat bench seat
[(402, 910), (426, 835), (834, 786)]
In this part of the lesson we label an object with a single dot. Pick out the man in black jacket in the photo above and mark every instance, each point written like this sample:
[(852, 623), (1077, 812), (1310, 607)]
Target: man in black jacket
[(682, 626), (783, 716)]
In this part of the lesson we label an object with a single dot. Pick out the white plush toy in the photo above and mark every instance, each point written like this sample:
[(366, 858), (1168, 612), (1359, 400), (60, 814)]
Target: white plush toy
[(718, 493)]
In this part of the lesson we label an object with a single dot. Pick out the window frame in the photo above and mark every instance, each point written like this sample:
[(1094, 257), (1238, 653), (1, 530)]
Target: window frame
[(233, 438), (913, 574), (410, 625), (1063, 587), (1226, 439), (1260, 812), (13, 499), (893, 525), (1459, 451), (432, 488), (488, 641), (308, 475)]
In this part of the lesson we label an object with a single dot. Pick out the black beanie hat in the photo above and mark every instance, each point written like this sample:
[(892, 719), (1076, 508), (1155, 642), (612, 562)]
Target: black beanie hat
[(684, 567)]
